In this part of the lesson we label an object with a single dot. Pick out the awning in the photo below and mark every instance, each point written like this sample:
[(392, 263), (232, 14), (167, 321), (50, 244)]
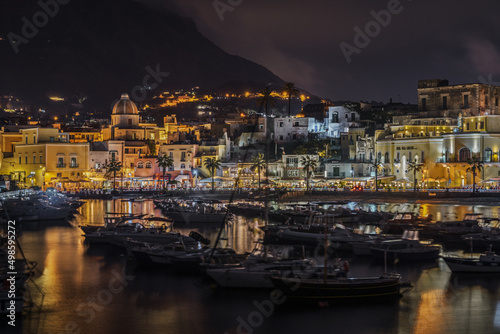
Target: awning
[(32, 174), (182, 177), (359, 179), (98, 179), (492, 180)]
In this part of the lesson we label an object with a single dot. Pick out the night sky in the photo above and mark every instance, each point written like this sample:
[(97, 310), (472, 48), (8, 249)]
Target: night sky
[(300, 42)]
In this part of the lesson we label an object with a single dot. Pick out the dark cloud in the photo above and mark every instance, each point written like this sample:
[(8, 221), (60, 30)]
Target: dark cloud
[(299, 41)]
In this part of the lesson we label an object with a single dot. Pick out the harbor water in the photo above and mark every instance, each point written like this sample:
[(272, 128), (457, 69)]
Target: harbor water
[(98, 290)]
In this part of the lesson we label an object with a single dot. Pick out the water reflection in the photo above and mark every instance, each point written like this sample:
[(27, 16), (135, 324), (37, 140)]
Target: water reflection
[(75, 279)]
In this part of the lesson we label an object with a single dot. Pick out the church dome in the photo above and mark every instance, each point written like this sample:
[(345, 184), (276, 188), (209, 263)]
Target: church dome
[(125, 106)]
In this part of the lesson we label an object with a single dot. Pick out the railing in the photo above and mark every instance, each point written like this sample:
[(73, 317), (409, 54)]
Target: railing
[(74, 166), (61, 165)]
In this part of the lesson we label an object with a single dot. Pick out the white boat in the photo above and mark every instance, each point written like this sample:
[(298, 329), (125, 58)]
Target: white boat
[(256, 270), (488, 262), (408, 248), (33, 209)]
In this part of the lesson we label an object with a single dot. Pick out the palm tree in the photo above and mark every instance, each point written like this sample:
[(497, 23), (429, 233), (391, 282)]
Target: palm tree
[(415, 167), (164, 161), (376, 165), (291, 91), (212, 164), (258, 162), (475, 167), (113, 166), (310, 164), (265, 102)]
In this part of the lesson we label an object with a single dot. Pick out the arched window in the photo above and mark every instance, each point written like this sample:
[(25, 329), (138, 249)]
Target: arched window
[(140, 165), (183, 166), (148, 164), (464, 154), (488, 153), (379, 156), (386, 158)]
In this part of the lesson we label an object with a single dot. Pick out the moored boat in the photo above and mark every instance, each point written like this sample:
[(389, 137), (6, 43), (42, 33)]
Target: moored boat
[(488, 262), (385, 287)]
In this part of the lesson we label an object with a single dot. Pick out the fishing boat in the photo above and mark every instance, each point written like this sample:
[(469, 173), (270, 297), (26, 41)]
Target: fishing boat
[(488, 262)]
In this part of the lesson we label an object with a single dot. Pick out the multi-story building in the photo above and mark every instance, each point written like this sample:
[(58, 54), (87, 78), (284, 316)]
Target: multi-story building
[(452, 100)]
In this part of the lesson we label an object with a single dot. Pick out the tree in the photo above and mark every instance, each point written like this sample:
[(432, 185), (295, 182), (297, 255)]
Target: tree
[(151, 147), (291, 91), (376, 165), (415, 167), (265, 102), (475, 167), (310, 164), (113, 166), (164, 161), (258, 162), (212, 164)]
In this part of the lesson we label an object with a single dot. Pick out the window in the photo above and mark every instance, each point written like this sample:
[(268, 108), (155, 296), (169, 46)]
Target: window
[(496, 101), (353, 117), (424, 103), (126, 151), (183, 156), (131, 165), (26, 139), (73, 162), (34, 159), (422, 156), (129, 121), (464, 154), (379, 156), (482, 125), (41, 159), (487, 155), (292, 162), (148, 165), (386, 158), (294, 137), (34, 139), (336, 171), (281, 124), (397, 156), (183, 166), (26, 159), (171, 154), (51, 139), (140, 165), (281, 137), (113, 155), (445, 102), (19, 159), (409, 156), (468, 126), (60, 162), (293, 173), (466, 101)]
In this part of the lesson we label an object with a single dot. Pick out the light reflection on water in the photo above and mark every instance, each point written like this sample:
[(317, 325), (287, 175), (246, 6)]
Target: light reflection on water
[(158, 302)]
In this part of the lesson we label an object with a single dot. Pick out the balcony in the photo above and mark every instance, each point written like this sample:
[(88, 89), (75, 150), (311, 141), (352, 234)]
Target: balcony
[(59, 165), (74, 166)]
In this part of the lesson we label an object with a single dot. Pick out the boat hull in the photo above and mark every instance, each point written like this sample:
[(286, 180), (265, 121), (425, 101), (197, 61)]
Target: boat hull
[(471, 265), (341, 289)]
